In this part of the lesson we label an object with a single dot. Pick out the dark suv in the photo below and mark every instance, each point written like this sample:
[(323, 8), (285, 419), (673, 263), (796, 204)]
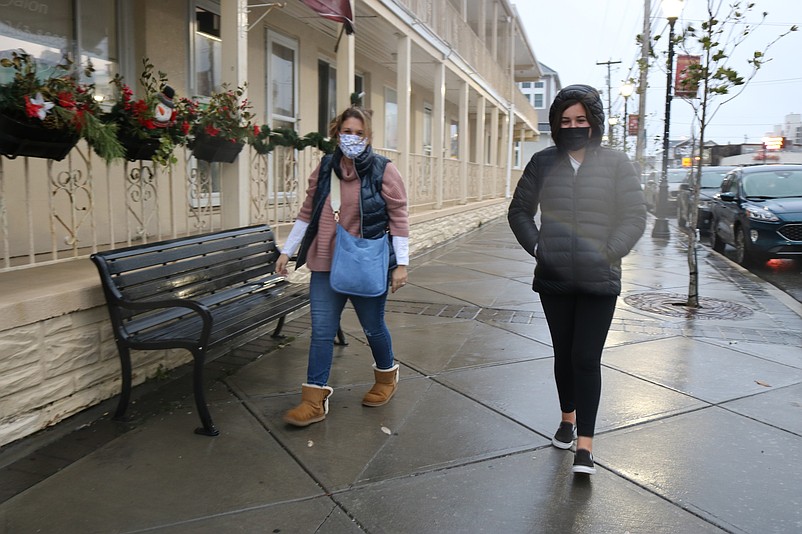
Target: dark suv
[(759, 212), (709, 184)]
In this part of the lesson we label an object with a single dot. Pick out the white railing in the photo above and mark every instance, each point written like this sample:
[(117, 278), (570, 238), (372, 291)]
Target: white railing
[(52, 211)]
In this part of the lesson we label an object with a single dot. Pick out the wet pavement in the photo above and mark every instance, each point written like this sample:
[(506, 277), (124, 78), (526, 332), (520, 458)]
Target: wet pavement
[(699, 429)]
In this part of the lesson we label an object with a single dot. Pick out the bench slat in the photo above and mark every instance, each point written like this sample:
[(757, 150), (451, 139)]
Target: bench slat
[(144, 321), (252, 311), (180, 266), (138, 256), (200, 281)]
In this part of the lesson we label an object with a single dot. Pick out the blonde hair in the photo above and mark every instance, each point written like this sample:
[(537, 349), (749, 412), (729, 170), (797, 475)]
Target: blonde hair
[(354, 112)]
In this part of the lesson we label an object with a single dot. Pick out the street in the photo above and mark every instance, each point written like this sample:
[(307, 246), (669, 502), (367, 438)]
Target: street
[(785, 274)]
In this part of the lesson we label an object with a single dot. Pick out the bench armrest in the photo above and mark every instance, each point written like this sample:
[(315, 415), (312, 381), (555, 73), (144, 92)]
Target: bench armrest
[(200, 309)]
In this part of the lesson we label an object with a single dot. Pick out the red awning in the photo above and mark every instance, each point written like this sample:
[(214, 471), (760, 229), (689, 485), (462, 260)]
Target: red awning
[(336, 10)]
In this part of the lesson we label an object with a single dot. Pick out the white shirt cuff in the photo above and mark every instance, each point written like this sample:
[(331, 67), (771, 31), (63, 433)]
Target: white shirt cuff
[(401, 247), (294, 239)]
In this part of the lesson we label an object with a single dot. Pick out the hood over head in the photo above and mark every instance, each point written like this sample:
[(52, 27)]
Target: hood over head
[(588, 97)]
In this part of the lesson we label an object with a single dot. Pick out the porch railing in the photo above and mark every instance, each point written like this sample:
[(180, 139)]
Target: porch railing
[(53, 211)]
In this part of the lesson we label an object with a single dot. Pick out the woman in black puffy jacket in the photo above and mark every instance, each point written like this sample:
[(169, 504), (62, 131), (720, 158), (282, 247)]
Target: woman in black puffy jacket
[(592, 212)]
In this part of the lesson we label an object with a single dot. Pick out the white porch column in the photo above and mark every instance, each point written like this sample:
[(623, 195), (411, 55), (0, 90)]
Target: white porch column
[(345, 69), (506, 142), (404, 84), (481, 158), (235, 190), (464, 141), (511, 114), (494, 135), (438, 130)]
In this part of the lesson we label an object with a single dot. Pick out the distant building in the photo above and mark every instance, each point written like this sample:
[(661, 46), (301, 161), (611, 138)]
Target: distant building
[(792, 128), (540, 94)]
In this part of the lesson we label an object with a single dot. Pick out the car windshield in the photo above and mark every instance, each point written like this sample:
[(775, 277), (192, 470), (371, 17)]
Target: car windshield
[(773, 184), (711, 178)]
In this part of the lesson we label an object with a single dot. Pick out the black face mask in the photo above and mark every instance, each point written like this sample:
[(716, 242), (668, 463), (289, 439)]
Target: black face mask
[(573, 138)]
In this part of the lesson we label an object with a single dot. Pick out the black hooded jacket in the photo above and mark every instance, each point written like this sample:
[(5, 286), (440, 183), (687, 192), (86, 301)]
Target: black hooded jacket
[(588, 220)]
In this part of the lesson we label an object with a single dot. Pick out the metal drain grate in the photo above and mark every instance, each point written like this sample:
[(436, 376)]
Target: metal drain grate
[(673, 305)]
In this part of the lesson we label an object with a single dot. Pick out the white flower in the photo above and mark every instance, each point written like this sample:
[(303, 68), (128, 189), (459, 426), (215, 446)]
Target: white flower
[(42, 105)]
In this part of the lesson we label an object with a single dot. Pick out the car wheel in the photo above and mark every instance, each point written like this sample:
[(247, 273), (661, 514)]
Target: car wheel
[(742, 253), (715, 241)]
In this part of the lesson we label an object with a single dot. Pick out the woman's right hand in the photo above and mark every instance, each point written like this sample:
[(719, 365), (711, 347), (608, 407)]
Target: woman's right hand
[(281, 264)]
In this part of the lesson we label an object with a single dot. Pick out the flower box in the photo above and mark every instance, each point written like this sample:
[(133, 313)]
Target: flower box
[(208, 148), (137, 148), (33, 140)]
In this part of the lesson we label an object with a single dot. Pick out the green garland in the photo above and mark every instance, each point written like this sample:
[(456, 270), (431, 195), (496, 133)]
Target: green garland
[(268, 139)]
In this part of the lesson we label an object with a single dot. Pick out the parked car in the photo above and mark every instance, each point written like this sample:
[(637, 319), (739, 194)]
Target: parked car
[(709, 184), (759, 212), (652, 188)]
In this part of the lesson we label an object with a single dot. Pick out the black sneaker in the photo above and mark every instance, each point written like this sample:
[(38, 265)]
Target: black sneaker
[(565, 436), (583, 462)]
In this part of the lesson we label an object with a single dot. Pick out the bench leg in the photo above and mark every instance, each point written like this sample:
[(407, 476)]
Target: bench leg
[(277, 332), (208, 428), (125, 389)]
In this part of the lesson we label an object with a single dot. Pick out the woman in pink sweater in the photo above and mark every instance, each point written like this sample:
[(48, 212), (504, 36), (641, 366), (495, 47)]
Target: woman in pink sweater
[(373, 202)]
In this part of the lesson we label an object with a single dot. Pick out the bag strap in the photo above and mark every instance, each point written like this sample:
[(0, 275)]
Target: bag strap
[(335, 196)]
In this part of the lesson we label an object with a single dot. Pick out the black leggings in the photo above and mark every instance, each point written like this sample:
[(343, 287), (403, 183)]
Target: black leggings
[(578, 326)]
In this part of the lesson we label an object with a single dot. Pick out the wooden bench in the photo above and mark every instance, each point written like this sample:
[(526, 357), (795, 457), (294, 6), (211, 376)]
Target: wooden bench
[(194, 293)]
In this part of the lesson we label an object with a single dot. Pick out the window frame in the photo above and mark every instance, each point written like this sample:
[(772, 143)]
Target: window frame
[(272, 36)]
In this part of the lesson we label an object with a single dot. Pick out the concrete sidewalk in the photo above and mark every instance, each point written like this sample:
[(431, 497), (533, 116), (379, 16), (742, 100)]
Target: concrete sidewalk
[(699, 430)]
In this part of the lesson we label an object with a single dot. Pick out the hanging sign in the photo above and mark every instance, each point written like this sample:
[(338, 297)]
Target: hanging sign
[(683, 87), (632, 124)]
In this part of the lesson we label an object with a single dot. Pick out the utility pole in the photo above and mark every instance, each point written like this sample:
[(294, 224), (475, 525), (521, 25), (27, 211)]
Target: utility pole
[(646, 39), (609, 101)]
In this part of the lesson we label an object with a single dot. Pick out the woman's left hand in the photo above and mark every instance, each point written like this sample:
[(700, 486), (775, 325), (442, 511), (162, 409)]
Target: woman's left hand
[(399, 278)]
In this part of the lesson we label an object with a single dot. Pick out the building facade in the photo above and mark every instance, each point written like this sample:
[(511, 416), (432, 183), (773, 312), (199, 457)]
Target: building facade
[(440, 76), (540, 94)]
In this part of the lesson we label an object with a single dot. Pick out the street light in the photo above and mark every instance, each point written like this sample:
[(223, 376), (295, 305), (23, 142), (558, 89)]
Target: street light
[(671, 10), (626, 91)]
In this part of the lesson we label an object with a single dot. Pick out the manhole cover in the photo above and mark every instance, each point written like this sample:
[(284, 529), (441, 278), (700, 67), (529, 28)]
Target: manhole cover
[(674, 305)]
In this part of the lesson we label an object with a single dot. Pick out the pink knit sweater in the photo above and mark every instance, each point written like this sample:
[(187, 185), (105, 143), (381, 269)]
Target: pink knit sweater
[(394, 194)]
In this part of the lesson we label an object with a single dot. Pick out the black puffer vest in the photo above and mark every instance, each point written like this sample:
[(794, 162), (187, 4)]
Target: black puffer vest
[(369, 167)]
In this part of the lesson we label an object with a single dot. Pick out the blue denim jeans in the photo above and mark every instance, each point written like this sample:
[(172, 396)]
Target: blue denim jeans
[(326, 308)]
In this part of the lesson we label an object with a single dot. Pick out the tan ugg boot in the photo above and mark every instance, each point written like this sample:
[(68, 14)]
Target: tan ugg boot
[(384, 388), (313, 408)]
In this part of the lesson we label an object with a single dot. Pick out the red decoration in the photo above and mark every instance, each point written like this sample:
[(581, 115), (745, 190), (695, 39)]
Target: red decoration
[(336, 10)]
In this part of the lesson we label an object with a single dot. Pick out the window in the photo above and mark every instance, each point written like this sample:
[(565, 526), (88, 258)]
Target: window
[(526, 85), (454, 139), (427, 129), (390, 119), (208, 50), (327, 91), (282, 98), (538, 101), (84, 30), (539, 85)]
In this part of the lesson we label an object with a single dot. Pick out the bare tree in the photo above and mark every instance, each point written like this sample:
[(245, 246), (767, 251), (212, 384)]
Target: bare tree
[(723, 31)]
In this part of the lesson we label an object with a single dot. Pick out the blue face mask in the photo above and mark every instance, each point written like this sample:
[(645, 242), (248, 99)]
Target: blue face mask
[(352, 145)]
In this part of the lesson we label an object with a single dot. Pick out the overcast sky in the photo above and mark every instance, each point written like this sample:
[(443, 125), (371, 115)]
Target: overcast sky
[(572, 40)]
